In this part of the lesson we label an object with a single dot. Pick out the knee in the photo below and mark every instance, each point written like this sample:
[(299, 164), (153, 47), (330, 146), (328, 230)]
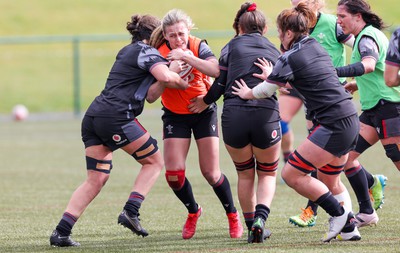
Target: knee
[(392, 152), (285, 175), (158, 162), (175, 179), (97, 180), (211, 176), (146, 150)]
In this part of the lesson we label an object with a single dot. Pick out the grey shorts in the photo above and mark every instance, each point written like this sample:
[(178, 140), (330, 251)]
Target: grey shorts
[(111, 132), (338, 138)]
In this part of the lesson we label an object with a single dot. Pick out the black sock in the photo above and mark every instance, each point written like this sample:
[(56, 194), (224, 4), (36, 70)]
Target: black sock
[(330, 204), (262, 211), (223, 191), (370, 178), (249, 219), (358, 182), (66, 224), (185, 195), (133, 204), (314, 207)]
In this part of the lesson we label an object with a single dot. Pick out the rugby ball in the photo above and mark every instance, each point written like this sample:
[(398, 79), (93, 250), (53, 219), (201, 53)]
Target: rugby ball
[(185, 73), (20, 112)]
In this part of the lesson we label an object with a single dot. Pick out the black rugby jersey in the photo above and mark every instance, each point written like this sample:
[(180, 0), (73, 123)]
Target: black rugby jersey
[(122, 96), (237, 62), (308, 68), (393, 53)]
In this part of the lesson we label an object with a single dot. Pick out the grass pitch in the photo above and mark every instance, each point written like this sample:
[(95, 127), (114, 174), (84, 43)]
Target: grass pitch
[(43, 163)]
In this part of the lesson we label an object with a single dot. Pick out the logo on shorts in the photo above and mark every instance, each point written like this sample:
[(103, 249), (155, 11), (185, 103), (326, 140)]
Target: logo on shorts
[(169, 128), (213, 127), (116, 138), (274, 134)]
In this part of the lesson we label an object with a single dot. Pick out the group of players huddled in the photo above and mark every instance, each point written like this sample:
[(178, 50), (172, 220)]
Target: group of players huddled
[(262, 89)]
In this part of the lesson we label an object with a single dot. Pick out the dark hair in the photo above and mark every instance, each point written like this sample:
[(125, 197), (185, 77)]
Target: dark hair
[(298, 19), (141, 27), (362, 7), (249, 19)]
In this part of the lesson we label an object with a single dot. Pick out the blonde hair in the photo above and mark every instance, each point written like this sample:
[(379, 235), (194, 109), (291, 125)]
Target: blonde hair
[(175, 16), (314, 5), (171, 18)]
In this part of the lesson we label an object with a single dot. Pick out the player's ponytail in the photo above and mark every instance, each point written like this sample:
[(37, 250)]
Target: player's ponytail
[(298, 19), (249, 19), (141, 27)]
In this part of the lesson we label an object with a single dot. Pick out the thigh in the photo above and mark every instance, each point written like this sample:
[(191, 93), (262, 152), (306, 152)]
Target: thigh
[(369, 133), (289, 106), (240, 154), (267, 155), (99, 152), (175, 152), (314, 154), (208, 149)]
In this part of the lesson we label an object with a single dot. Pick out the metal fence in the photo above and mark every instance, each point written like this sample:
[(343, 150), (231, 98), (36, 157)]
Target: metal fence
[(76, 41)]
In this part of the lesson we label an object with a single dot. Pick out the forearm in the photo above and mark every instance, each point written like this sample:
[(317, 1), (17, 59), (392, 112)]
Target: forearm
[(208, 67), (155, 91), (392, 76), (214, 93), (264, 90), (176, 82)]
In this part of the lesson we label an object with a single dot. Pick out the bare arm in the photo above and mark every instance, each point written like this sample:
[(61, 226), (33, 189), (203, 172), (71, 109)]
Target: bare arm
[(209, 67), (165, 78), (155, 91), (392, 75), (369, 64), (350, 42)]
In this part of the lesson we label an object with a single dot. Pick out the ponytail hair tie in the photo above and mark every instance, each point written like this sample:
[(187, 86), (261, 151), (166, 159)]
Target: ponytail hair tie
[(252, 7)]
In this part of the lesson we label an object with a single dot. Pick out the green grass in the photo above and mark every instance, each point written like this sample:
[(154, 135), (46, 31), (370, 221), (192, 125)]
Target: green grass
[(43, 160), (43, 163), (40, 76)]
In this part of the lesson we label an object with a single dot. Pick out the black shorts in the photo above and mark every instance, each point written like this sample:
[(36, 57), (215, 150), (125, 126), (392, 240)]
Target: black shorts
[(338, 138), (111, 132), (204, 124), (243, 125), (384, 117)]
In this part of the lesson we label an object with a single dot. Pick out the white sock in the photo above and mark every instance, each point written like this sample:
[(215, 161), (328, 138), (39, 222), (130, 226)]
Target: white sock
[(344, 198)]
